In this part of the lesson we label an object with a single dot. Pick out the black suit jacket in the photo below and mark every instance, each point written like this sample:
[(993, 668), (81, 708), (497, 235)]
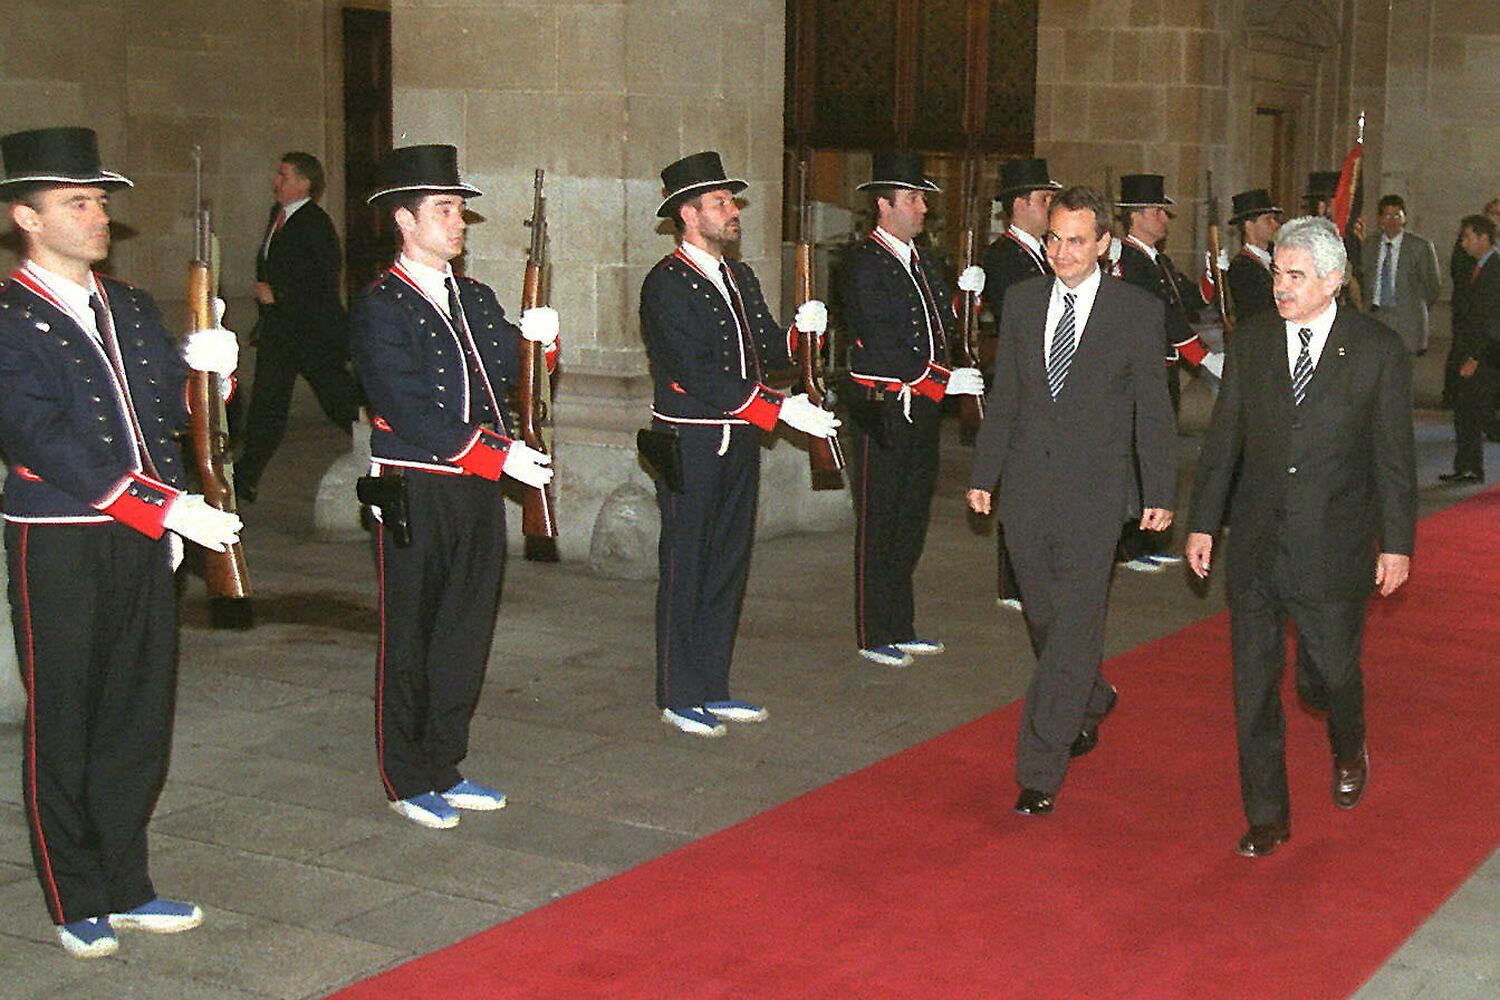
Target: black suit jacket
[(1329, 483), (1070, 462), (1476, 314), (303, 266), (1250, 287)]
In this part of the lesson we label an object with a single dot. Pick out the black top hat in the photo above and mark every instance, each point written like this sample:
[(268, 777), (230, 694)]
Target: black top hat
[(1143, 191), (1020, 176), (431, 169), (694, 175), (897, 170), (1249, 204), (46, 156), (1322, 185)]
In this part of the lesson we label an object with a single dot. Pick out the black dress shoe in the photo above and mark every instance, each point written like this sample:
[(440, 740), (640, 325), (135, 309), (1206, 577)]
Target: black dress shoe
[(1033, 803), (1089, 738), (1262, 839), (1349, 778), (1459, 478)]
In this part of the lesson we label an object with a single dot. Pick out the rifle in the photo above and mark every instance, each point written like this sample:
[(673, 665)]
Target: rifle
[(966, 348), (534, 393), (1215, 246), (825, 457), (224, 572)]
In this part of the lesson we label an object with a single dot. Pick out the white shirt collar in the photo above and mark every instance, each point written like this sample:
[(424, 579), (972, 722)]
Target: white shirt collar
[(1264, 256), (430, 280), (1031, 242), (289, 209), (1144, 247), (709, 265), (1394, 241), (1320, 325), (75, 297), (1083, 305), (902, 249)]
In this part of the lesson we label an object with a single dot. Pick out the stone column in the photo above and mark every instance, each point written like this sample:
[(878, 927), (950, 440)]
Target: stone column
[(601, 95)]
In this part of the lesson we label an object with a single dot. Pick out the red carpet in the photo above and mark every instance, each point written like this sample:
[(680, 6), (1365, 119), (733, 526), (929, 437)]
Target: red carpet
[(912, 878)]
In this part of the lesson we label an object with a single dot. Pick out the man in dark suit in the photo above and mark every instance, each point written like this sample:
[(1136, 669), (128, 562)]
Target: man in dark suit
[(92, 397), (302, 328), (1080, 395), (1026, 191), (900, 317), (1249, 273), (1312, 432), (1476, 348), (712, 341)]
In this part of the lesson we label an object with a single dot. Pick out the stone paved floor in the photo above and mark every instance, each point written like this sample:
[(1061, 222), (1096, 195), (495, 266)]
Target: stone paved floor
[(274, 821)]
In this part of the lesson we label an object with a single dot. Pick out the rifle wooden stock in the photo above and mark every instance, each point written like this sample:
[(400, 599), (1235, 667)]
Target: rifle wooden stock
[(224, 573), (825, 456), (534, 394), (966, 348), (1215, 247)]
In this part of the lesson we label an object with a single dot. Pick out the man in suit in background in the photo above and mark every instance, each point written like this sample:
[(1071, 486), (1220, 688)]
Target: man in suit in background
[(302, 329), (1312, 433), (1249, 273), (1401, 278), (1080, 394), (1026, 192), (1476, 349)]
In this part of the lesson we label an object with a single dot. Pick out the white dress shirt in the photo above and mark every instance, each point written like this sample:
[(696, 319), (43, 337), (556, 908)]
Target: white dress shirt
[(1319, 325), (1083, 304), (1029, 242), (73, 296), (709, 265), (432, 282)]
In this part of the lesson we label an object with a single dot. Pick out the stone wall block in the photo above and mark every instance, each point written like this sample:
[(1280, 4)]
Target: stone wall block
[(591, 48), (1088, 53), (590, 134), (655, 60), (494, 47), (431, 114), (653, 136), (1135, 111)]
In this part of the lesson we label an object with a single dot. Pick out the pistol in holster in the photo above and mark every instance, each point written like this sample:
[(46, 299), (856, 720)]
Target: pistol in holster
[(388, 493)]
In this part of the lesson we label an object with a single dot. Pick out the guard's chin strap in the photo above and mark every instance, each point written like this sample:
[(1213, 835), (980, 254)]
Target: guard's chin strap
[(724, 442)]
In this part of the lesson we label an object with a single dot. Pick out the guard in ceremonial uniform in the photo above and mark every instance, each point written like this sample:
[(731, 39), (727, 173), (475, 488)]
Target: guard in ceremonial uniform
[(437, 357), (1249, 273), (92, 395), (899, 310), (711, 340), (1147, 214), (1026, 190)]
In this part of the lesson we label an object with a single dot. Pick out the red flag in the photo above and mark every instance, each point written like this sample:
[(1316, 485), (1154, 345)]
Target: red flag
[(1348, 199)]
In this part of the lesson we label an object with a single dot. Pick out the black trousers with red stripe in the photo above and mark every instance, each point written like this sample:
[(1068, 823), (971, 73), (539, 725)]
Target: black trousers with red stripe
[(438, 599), (893, 485), (707, 529), (95, 616)]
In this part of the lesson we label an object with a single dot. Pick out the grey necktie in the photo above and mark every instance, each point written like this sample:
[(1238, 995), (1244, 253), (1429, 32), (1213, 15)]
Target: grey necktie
[(1064, 345), (1302, 371), (1388, 275)]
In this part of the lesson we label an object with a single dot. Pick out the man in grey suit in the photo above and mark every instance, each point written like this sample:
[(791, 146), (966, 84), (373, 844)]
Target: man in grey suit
[(1080, 392), (1400, 276), (1312, 434)]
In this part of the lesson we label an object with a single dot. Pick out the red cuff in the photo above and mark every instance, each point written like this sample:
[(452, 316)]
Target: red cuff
[(139, 502), (1206, 288), (551, 354), (934, 382), (762, 409), (484, 455), (1193, 351)]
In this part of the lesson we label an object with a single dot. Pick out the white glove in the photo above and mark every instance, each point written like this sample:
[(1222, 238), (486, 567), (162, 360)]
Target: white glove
[(1223, 260), (965, 382), (1115, 246), (1214, 363), (216, 350), (539, 325), (812, 317), (527, 465), (799, 413), (191, 517), (174, 548), (972, 279)]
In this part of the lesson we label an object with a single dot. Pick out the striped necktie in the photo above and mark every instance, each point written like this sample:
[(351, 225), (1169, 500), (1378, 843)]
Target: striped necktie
[(1302, 371), (1064, 345)]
